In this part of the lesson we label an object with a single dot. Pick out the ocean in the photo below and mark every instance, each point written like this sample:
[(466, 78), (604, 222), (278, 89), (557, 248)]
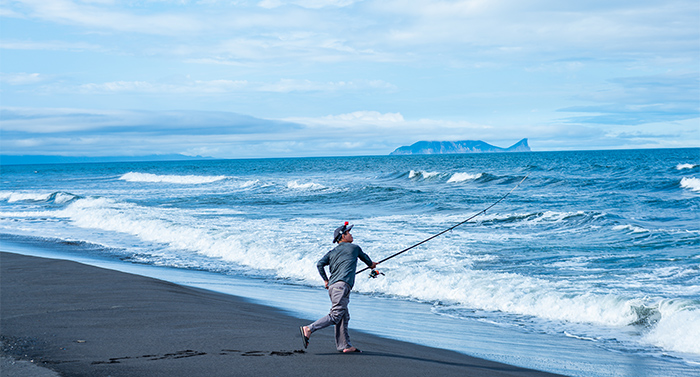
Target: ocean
[(591, 267)]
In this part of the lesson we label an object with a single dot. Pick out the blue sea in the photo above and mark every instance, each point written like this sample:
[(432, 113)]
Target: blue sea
[(590, 267)]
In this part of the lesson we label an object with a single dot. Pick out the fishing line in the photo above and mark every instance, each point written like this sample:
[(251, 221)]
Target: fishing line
[(375, 273)]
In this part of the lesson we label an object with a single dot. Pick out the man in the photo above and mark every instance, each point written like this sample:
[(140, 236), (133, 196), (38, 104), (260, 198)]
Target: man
[(342, 262)]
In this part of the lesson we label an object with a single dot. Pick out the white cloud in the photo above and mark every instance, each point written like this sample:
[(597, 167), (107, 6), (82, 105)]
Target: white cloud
[(642, 99), (99, 15), (520, 29), (312, 4), (48, 46), (293, 85), (229, 135), (395, 130), (210, 87), (391, 30), (5, 12), (190, 87), (372, 117), (21, 78)]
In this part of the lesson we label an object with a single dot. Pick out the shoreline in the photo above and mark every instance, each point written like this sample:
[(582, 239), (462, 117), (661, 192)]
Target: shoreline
[(80, 320)]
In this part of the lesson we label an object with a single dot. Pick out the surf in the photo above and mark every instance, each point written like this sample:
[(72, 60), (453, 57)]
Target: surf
[(169, 178)]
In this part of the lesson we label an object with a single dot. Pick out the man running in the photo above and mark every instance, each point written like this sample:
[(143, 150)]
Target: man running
[(342, 262)]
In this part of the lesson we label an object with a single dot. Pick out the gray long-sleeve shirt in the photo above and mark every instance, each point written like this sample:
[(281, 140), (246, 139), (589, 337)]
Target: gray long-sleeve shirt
[(343, 263)]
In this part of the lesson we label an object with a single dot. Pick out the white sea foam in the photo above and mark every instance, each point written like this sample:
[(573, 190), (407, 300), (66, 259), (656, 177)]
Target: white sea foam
[(685, 166), (692, 184), (579, 337), (513, 293), (62, 198), (250, 243), (546, 217), (295, 185), (578, 263), (13, 197), (56, 197), (632, 228), (461, 177), (178, 179), (29, 214), (249, 183), (424, 174), (678, 329)]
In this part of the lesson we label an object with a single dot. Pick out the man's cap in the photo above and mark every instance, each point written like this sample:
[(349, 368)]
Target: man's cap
[(339, 231)]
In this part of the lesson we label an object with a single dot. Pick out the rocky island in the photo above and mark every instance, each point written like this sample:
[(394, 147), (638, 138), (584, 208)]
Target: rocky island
[(465, 146)]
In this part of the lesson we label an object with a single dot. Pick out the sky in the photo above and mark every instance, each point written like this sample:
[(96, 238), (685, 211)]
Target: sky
[(304, 78)]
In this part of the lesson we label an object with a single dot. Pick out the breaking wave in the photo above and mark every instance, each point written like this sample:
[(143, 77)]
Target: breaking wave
[(177, 179), (692, 184), (423, 174), (461, 177), (295, 185), (671, 324), (54, 197), (686, 166)]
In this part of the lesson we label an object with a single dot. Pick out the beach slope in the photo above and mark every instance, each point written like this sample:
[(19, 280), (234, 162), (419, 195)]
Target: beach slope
[(81, 320)]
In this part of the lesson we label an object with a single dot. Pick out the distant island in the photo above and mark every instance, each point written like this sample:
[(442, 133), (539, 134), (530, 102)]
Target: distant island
[(453, 147)]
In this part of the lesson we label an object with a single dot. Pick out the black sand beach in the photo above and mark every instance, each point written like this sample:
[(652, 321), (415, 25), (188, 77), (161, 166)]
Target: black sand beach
[(80, 320)]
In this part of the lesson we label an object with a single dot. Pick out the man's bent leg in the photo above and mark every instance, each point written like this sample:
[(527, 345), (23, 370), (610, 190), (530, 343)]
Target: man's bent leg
[(321, 323)]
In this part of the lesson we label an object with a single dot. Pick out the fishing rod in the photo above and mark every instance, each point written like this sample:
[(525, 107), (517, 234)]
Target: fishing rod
[(376, 273)]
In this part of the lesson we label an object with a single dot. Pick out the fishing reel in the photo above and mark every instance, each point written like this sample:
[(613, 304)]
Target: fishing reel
[(375, 273)]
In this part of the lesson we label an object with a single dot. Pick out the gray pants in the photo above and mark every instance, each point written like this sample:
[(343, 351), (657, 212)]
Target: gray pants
[(339, 316)]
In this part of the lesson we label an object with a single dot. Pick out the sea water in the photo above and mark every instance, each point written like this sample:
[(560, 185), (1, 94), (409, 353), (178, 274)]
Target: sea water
[(591, 266)]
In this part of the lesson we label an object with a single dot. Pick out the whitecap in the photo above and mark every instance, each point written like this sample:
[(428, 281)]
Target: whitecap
[(422, 173), (692, 184), (580, 337), (13, 197), (461, 177), (178, 179), (632, 228), (295, 185), (249, 183), (685, 166), (678, 329), (62, 198)]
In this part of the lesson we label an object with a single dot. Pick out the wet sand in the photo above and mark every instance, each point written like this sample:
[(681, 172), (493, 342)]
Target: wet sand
[(81, 320)]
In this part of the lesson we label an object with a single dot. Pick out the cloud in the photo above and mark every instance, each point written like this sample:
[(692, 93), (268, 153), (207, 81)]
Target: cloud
[(527, 34), (214, 87), (392, 130), (371, 117), (87, 132), (85, 122), (194, 86), (48, 46), (312, 4), (642, 99), (21, 78), (101, 15), (292, 85), (65, 131), (390, 30)]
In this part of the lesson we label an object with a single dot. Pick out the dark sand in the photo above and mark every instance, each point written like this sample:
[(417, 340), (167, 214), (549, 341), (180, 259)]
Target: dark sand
[(81, 320)]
